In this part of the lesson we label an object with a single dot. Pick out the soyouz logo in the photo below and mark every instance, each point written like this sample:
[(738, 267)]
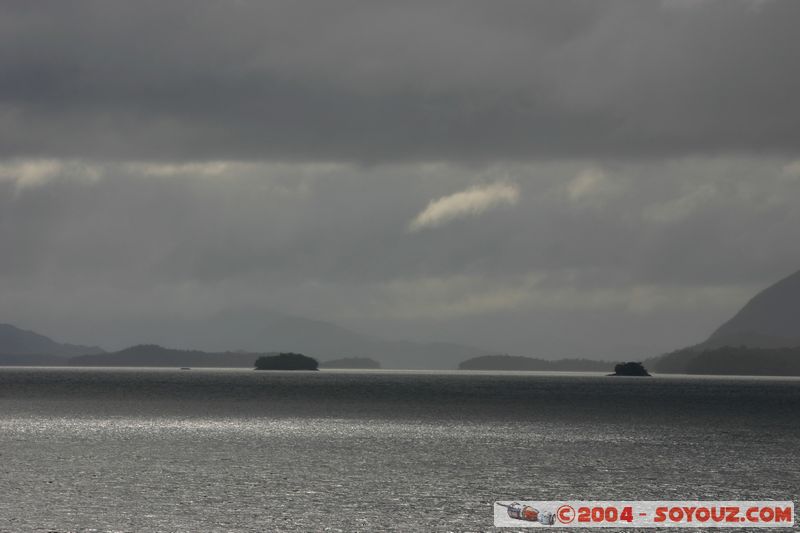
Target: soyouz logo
[(622, 514)]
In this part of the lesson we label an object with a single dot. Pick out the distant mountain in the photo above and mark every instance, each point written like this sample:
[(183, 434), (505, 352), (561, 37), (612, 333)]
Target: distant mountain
[(769, 321), (19, 342), (259, 330), (517, 362), (154, 355)]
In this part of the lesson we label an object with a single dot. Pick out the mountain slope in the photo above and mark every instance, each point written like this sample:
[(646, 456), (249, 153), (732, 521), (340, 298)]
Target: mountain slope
[(16, 341), (769, 322), (771, 319)]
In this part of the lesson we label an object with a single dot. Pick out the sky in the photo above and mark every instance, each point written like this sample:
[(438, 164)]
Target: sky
[(550, 179)]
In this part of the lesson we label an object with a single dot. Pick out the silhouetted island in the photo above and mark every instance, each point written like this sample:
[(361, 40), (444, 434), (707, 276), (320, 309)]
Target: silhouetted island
[(518, 362), (351, 362), (629, 369), (286, 361)]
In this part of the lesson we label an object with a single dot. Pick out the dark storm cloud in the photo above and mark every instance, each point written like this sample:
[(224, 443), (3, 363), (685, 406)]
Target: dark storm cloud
[(374, 81)]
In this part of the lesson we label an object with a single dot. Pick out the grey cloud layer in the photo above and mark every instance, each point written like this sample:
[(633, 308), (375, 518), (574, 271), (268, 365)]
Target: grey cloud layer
[(646, 239), (381, 81)]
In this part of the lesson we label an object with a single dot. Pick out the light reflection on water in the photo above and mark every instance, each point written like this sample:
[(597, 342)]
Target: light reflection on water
[(322, 428), (161, 451)]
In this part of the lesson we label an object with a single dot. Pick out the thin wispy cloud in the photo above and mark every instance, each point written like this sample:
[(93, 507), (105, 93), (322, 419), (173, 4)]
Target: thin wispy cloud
[(470, 202)]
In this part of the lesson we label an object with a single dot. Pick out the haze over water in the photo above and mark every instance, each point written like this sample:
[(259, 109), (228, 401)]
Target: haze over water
[(220, 450)]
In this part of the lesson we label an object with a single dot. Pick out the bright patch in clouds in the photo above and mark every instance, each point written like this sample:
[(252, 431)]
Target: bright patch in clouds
[(213, 168), (472, 201), (25, 173), (592, 182), (792, 170)]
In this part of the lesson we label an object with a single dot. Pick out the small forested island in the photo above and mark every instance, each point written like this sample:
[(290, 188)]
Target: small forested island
[(629, 369), (286, 361), (351, 362)]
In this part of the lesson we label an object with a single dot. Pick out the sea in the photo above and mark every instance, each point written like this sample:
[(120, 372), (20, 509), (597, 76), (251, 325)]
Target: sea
[(200, 450)]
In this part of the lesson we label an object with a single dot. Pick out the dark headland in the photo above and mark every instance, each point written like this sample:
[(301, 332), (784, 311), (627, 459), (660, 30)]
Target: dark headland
[(518, 362), (152, 355)]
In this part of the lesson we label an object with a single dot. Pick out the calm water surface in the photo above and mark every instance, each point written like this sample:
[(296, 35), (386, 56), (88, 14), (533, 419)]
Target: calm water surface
[(238, 450)]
